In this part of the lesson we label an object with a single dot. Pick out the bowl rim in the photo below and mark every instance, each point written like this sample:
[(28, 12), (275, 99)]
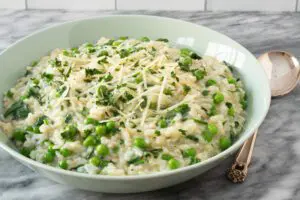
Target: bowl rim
[(219, 156)]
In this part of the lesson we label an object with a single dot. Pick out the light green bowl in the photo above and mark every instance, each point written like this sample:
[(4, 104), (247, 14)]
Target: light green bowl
[(201, 39)]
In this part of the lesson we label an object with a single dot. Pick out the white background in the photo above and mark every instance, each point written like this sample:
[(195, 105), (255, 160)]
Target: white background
[(209, 5)]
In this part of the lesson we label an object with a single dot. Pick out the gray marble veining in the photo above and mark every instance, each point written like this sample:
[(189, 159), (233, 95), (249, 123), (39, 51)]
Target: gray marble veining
[(275, 170)]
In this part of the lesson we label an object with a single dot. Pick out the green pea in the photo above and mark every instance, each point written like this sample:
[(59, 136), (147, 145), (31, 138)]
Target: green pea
[(90, 121), (89, 141), (210, 82), (162, 123), (72, 129), (101, 130), (224, 143), (199, 74), (51, 150), (145, 39), (166, 156), (231, 80), (185, 52), (19, 135), (231, 111), (212, 128), (191, 152), (205, 92), (173, 163), (102, 150), (218, 97), (48, 157), (25, 151), (110, 126), (65, 152), (140, 143), (207, 135), (185, 62), (95, 161), (63, 164)]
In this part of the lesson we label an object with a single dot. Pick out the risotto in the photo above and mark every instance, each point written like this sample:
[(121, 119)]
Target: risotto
[(124, 107)]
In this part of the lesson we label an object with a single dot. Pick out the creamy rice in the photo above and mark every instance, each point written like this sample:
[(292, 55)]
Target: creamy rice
[(124, 107)]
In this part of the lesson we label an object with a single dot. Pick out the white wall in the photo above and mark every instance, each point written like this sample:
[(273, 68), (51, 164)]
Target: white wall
[(210, 5)]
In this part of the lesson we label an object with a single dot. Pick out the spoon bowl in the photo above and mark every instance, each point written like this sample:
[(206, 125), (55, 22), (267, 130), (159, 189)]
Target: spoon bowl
[(283, 71)]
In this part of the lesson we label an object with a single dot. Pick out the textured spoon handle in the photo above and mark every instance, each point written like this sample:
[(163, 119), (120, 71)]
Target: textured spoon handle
[(239, 170)]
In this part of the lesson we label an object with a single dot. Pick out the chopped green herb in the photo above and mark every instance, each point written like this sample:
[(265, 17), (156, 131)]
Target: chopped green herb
[(205, 92), (145, 39), (60, 91), (91, 72), (157, 132), (108, 77), (19, 135), (191, 152), (102, 61), (47, 77), (102, 53), (68, 118), (192, 137), (9, 94), (200, 121), (123, 38), (162, 123), (162, 40), (18, 110), (124, 53), (136, 161), (185, 63), (166, 156), (186, 89), (168, 91), (155, 152)]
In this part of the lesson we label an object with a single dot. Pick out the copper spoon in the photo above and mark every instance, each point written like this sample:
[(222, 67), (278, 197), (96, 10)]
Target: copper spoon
[(283, 71)]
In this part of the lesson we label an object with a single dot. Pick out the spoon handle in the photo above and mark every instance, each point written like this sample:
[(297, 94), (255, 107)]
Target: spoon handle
[(239, 169)]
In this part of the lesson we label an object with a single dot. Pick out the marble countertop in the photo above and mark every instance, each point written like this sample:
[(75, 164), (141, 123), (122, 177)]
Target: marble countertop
[(275, 170)]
